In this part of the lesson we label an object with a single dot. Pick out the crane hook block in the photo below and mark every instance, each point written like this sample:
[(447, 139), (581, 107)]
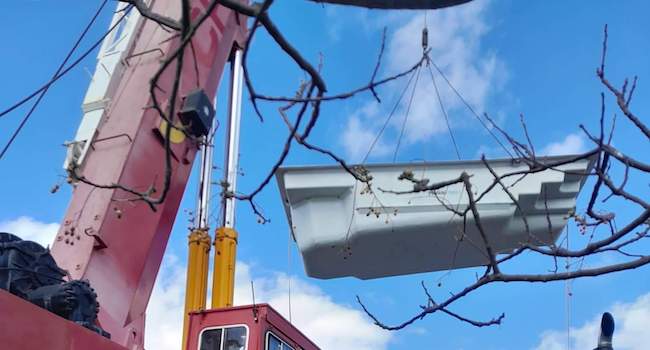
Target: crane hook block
[(197, 113)]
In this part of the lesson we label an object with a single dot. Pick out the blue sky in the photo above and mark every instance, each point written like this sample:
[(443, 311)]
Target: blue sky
[(506, 57)]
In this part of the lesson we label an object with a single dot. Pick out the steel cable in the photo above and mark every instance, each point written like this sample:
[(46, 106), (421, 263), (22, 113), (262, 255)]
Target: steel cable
[(471, 109), (61, 71), (444, 113)]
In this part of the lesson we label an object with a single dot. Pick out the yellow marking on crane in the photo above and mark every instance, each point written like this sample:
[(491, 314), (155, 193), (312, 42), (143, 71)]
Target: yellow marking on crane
[(175, 134), (196, 286), (223, 279)]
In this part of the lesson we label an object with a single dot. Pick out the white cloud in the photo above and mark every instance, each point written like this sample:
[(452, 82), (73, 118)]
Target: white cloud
[(164, 322), (489, 152), (359, 134), (342, 19), (335, 24), (31, 229), (330, 325), (572, 144), (454, 39), (631, 333)]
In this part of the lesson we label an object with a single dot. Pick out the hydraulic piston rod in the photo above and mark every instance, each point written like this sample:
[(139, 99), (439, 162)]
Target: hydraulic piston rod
[(199, 239), (225, 242)]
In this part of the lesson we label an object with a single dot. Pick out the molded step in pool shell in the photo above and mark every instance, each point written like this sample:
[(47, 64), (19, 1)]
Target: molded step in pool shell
[(342, 229)]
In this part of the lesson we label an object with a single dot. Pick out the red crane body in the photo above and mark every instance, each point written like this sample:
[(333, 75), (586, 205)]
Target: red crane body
[(261, 321), (114, 242), (25, 326)]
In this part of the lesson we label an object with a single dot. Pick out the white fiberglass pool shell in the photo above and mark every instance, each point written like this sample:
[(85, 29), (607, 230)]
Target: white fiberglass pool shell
[(344, 230)]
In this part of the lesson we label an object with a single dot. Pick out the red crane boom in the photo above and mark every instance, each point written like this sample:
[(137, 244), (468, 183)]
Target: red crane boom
[(111, 242), (106, 237)]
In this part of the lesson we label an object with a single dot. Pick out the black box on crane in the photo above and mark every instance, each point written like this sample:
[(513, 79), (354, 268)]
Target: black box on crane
[(197, 113)]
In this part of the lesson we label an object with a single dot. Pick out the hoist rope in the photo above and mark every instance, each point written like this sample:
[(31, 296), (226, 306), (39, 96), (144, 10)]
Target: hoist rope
[(568, 294), (289, 273)]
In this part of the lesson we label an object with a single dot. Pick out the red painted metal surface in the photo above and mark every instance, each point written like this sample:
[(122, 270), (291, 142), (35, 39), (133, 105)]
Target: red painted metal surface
[(24, 326), (259, 319), (116, 243)]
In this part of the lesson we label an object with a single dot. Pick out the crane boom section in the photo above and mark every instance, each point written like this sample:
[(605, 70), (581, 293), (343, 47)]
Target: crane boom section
[(107, 235)]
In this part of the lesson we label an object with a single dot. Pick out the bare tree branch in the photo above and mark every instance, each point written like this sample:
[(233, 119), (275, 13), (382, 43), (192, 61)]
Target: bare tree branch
[(309, 99), (609, 238)]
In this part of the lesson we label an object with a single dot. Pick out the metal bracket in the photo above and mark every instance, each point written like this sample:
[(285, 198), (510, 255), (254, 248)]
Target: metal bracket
[(99, 242), (111, 138), (126, 59)]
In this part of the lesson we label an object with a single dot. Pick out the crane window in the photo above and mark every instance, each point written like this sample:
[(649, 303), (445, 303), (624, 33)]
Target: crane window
[(231, 338), (275, 343)]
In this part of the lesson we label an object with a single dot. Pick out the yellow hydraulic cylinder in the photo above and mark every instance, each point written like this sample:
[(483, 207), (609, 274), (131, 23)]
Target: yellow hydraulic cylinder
[(197, 275), (223, 278)]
